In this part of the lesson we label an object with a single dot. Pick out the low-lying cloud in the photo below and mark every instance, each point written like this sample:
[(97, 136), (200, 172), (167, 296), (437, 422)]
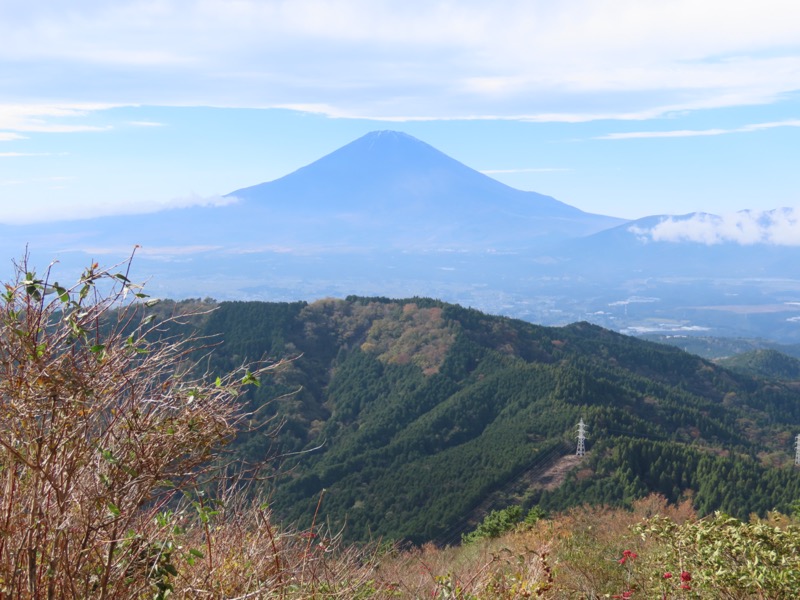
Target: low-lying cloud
[(524, 170), (194, 200), (780, 227), (20, 213)]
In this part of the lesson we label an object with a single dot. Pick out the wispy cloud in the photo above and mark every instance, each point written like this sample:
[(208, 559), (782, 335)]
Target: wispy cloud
[(780, 227), (529, 170), (22, 154), (46, 118), (699, 132), (339, 112)]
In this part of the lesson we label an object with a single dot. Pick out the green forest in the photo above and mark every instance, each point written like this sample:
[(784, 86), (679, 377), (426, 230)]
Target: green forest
[(411, 419)]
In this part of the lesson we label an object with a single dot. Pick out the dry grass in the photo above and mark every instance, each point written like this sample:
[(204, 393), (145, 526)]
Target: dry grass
[(574, 555), (245, 556)]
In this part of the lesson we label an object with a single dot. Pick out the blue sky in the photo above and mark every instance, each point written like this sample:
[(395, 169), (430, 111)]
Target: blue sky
[(616, 107)]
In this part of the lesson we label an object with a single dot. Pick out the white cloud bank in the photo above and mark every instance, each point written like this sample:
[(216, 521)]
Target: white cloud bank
[(535, 60), (780, 227)]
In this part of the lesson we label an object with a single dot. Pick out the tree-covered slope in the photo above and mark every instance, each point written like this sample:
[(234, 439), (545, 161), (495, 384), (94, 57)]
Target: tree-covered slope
[(404, 416), (765, 362)]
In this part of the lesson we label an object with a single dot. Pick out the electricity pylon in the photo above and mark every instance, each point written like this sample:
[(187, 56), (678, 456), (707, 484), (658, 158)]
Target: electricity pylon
[(582, 439), (797, 450)]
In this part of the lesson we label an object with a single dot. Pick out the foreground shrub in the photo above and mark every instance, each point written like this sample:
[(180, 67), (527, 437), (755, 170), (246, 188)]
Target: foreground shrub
[(722, 557), (102, 427)]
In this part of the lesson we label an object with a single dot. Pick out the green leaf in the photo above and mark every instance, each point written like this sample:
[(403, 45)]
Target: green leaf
[(63, 294), (250, 378), (112, 508)]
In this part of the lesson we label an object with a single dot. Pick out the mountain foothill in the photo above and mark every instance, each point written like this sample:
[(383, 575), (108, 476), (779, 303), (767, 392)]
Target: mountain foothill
[(411, 419)]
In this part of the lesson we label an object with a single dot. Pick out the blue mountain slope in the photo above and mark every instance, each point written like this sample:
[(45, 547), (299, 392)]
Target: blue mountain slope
[(390, 188)]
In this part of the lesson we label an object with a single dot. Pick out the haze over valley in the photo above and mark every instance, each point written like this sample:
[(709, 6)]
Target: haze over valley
[(389, 215)]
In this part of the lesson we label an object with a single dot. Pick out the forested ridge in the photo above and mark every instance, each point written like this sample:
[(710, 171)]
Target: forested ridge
[(404, 415), (764, 362)]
